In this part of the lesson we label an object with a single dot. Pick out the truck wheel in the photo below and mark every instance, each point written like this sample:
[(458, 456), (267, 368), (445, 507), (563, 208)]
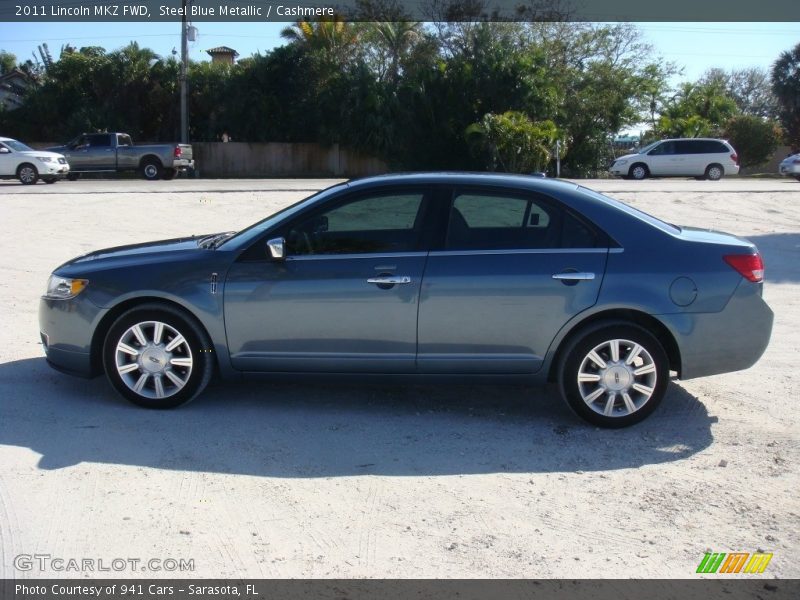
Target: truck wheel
[(151, 170), (169, 174), (27, 174)]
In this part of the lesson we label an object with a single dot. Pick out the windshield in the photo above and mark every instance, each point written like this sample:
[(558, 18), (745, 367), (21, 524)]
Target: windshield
[(649, 147), (18, 146)]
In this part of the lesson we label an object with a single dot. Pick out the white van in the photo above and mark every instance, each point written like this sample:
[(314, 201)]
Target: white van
[(705, 158)]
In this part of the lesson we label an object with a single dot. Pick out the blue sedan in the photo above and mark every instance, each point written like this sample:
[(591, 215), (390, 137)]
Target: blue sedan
[(447, 277)]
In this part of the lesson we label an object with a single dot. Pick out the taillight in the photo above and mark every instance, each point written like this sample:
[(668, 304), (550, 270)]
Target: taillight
[(178, 152), (749, 266), (735, 158)]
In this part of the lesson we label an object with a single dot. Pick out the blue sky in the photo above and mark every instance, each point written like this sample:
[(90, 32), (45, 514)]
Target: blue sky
[(693, 46)]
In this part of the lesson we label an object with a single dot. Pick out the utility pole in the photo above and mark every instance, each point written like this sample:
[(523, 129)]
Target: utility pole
[(184, 73)]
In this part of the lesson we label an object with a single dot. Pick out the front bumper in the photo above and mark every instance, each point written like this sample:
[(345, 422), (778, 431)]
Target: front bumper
[(58, 170), (790, 170), (730, 340), (66, 328)]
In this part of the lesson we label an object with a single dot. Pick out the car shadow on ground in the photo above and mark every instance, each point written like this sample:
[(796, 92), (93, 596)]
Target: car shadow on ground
[(781, 254), (312, 430)]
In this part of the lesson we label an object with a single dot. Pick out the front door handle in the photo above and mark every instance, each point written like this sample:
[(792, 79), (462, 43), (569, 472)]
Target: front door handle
[(574, 276), (390, 280)]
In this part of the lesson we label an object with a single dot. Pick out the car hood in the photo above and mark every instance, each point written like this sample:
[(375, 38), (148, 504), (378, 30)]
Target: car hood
[(41, 154), (626, 157), (135, 254), (790, 159)]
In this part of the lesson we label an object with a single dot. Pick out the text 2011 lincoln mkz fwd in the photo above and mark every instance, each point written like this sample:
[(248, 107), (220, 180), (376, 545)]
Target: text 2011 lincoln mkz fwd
[(451, 277)]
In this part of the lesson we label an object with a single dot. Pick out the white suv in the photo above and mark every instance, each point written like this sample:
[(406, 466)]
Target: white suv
[(18, 161), (704, 158)]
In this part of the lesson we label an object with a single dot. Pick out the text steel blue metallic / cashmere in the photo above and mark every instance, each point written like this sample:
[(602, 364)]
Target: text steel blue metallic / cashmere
[(453, 277)]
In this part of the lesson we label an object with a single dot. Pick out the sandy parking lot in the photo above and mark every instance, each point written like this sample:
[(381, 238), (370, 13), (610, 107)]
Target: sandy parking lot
[(280, 480)]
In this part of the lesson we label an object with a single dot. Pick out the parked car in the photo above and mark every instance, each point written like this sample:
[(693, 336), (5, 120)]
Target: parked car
[(116, 152), (704, 158), (452, 277), (18, 161), (790, 166)]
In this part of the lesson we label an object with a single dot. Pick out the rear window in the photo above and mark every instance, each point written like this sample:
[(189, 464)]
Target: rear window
[(640, 214)]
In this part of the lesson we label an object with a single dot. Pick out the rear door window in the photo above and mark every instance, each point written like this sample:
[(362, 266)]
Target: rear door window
[(498, 221), (97, 140)]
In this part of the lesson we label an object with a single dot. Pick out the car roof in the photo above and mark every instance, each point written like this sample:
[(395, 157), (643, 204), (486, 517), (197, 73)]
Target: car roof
[(5, 139), (464, 178), (703, 139)]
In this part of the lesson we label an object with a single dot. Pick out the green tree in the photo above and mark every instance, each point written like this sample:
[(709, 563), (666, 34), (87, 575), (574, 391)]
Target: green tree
[(786, 85), (755, 139), (7, 62), (697, 110), (513, 142)]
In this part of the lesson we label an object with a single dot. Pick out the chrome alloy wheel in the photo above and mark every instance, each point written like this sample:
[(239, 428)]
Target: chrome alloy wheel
[(617, 378), (150, 171), (153, 359), (27, 174)]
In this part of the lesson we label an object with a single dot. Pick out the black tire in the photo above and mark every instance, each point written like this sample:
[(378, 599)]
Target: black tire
[(27, 174), (169, 174), (638, 171), (50, 180), (152, 169), (73, 176), (714, 172), (797, 177), (153, 361), (617, 377)]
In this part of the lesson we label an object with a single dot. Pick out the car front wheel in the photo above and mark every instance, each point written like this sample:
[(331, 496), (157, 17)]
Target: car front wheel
[(27, 174), (638, 171), (156, 357), (614, 375)]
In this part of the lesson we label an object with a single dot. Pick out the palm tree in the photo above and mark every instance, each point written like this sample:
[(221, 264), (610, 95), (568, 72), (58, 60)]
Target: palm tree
[(396, 40), (334, 38)]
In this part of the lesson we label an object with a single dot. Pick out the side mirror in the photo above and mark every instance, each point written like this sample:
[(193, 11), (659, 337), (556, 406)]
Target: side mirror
[(5, 151), (277, 248)]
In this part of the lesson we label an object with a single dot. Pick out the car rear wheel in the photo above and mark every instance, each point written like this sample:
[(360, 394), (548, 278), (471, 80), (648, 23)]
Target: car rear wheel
[(614, 375), (151, 170), (156, 357), (638, 171), (714, 172), (27, 174)]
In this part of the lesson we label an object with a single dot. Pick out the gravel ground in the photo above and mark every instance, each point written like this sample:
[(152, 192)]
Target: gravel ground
[(303, 480)]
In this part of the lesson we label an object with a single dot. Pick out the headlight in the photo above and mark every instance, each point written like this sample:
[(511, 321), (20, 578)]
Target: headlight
[(62, 288), (44, 159), (620, 162)]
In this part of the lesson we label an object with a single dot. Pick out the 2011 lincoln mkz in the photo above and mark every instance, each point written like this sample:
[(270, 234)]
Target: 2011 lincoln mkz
[(446, 276)]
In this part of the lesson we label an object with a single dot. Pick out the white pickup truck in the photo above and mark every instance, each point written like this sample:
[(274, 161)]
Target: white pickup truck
[(115, 152)]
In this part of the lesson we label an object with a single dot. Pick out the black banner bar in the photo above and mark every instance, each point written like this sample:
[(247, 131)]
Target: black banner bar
[(398, 10), (733, 588)]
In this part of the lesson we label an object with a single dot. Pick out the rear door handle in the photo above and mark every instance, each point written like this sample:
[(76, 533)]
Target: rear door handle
[(390, 280), (574, 276)]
